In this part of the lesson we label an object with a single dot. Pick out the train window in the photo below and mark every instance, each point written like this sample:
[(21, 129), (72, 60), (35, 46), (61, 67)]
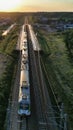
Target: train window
[(26, 106)]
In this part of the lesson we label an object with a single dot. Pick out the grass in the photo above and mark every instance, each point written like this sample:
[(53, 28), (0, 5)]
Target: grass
[(59, 67), (7, 48), (5, 87), (60, 59), (9, 41)]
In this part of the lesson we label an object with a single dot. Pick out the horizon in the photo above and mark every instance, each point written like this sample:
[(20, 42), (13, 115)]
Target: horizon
[(35, 11), (39, 6)]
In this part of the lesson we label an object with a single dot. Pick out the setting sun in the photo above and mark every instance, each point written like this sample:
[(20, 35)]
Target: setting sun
[(33, 6), (9, 5)]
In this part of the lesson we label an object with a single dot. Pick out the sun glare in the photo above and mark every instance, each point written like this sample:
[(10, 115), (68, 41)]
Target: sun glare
[(9, 5)]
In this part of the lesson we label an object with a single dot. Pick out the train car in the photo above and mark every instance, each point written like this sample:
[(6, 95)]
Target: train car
[(24, 94), (24, 91), (24, 88)]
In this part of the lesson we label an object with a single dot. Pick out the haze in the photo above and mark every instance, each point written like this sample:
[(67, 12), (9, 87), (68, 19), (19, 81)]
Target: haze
[(31, 5)]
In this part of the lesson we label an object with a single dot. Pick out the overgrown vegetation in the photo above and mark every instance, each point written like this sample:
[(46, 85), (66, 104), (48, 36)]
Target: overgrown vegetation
[(69, 40), (5, 87), (8, 42), (59, 68), (7, 48)]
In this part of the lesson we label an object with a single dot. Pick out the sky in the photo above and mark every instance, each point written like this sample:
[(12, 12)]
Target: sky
[(36, 5)]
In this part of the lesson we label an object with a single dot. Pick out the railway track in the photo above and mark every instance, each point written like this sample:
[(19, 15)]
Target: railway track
[(13, 125), (24, 123), (28, 123), (46, 103), (14, 122), (45, 114), (40, 101), (35, 84), (35, 81)]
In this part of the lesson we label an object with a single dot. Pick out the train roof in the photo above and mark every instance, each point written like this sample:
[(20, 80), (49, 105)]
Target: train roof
[(24, 83), (24, 60), (25, 40), (24, 90), (24, 64), (24, 94), (24, 77), (24, 51)]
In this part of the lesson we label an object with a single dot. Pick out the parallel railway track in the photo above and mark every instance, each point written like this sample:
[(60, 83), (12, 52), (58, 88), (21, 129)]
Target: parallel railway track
[(45, 114), (41, 100), (26, 123), (14, 103)]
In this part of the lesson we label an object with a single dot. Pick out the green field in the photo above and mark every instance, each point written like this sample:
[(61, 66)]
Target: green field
[(59, 68)]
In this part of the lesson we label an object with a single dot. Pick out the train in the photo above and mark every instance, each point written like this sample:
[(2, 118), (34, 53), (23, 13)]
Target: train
[(24, 87)]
